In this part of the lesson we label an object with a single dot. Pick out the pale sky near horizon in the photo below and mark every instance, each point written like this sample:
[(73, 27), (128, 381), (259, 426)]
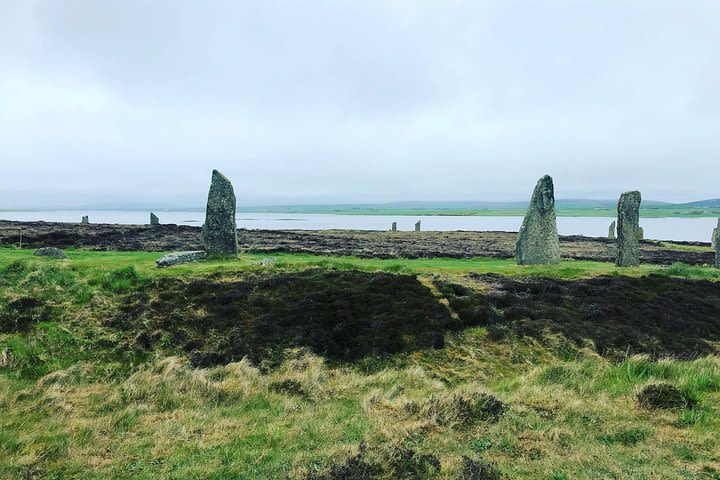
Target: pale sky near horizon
[(130, 102)]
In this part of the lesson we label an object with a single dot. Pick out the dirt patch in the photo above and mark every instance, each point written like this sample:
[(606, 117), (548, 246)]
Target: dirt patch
[(364, 244), (402, 463), (665, 396), (342, 315), (655, 315)]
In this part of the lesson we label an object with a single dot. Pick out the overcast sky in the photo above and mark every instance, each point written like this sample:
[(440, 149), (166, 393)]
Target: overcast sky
[(134, 102)]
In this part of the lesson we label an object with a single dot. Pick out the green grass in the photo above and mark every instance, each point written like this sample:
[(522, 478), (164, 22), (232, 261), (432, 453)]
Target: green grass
[(73, 404), (108, 267)]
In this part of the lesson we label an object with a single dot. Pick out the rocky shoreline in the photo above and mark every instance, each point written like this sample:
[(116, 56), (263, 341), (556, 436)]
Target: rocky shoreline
[(366, 244)]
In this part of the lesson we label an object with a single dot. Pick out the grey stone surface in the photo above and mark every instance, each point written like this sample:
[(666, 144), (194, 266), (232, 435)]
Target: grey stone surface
[(154, 220), (641, 233), (713, 239), (178, 258), (537, 241), (219, 233), (628, 242), (50, 252), (394, 227), (716, 238), (85, 219), (611, 231), (268, 261), (417, 226)]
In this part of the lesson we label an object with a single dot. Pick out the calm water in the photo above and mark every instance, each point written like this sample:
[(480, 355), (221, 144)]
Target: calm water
[(689, 229)]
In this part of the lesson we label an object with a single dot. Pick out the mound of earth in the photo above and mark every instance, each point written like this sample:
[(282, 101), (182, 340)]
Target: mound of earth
[(342, 315), (348, 315), (655, 315)]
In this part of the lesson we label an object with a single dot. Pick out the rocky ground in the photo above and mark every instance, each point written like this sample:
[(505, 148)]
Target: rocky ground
[(366, 244)]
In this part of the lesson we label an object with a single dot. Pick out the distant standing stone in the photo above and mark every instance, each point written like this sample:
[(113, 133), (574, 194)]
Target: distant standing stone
[(219, 233), (538, 241), (628, 243), (85, 219), (394, 226), (50, 252), (154, 220), (641, 233), (611, 231), (713, 239), (417, 226), (178, 258)]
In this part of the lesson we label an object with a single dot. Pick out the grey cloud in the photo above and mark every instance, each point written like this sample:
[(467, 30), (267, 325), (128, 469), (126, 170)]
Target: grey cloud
[(356, 101)]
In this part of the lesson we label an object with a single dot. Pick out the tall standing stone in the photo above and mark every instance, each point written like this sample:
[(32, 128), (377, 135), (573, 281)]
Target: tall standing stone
[(85, 219), (154, 220), (611, 231), (417, 226), (394, 227), (537, 241), (628, 243), (713, 239), (716, 239), (219, 233)]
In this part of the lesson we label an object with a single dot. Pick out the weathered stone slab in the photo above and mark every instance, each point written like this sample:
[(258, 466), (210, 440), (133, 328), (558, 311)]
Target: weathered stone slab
[(394, 227), (641, 233), (713, 239), (537, 241), (628, 242), (611, 231), (154, 220), (265, 262), (219, 232), (178, 258), (50, 252), (417, 226), (85, 219)]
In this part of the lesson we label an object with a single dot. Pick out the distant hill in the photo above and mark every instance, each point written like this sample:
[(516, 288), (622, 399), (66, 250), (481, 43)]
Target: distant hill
[(711, 203)]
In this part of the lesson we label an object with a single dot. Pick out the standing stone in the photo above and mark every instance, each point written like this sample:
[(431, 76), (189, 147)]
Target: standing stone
[(611, 231), (713, 239), (417, 226), (628, 244), (219, 233), (394, 227), (85, 219), (537, 241), (716, 242), (641, 233), (154, 220)]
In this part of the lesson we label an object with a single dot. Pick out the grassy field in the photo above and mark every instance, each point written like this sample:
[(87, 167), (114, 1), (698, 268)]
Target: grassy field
[(95, 381)]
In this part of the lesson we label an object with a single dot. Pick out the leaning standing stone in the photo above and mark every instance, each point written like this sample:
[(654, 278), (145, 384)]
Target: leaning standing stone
[(417, 226), (628, 243), (611, 231), (219, 232), (538, 241), (154, 220), (85, 219)]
